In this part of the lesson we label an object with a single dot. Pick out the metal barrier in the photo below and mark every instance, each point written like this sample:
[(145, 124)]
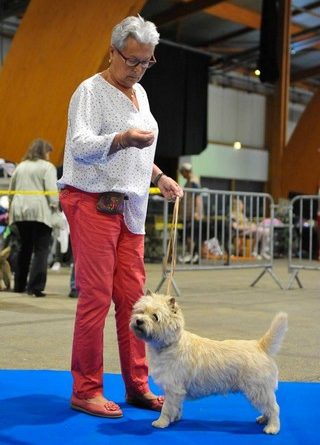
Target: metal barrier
[(304, 236), (222, 230)]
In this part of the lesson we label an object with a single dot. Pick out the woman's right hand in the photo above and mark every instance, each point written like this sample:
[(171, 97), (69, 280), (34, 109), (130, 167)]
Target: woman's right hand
[(137, 138)]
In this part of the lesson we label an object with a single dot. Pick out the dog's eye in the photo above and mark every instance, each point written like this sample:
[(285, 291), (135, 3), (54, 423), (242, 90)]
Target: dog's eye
[(155, 316)]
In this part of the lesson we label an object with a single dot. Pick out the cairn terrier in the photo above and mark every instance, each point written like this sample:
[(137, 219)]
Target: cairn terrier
[(188, 366)]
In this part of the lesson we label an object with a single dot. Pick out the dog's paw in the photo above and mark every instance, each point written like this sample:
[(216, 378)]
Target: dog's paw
[(160, 423), (271, 429)]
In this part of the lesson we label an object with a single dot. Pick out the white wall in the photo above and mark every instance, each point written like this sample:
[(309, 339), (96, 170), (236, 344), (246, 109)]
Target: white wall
[(236, 115), (219, 161)]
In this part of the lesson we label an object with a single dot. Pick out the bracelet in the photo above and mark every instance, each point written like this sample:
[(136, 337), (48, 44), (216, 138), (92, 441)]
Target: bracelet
[(120, 145), (157, 179)]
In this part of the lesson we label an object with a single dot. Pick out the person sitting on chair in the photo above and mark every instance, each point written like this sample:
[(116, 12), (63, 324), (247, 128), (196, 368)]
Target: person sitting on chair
[(245, 229)]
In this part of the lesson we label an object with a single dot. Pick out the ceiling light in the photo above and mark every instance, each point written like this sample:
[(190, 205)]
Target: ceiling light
[(237, 145)]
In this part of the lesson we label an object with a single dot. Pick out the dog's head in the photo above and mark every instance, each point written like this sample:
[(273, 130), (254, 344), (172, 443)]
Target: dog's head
[(157, 319)]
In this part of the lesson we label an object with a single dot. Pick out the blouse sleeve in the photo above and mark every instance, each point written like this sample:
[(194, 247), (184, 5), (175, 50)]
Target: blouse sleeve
[(87, 144)]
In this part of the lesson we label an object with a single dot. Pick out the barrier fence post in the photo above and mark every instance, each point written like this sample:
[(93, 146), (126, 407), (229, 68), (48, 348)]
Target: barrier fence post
[(303, 225), (215, 240)]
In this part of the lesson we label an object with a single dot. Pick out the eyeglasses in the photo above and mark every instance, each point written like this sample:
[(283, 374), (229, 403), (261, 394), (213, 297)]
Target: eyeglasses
[(135, 62)]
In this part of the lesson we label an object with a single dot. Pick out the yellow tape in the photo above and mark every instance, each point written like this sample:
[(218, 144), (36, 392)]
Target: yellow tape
[(154, 191)]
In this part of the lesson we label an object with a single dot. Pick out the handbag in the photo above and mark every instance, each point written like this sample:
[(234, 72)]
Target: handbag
[(111, 203), (57, 219)]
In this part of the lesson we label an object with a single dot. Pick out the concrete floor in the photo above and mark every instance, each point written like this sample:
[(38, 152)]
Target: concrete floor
[(36, 333)]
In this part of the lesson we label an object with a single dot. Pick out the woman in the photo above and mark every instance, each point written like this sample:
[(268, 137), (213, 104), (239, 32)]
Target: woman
[(244, 228), (110, 147), (31, 211)]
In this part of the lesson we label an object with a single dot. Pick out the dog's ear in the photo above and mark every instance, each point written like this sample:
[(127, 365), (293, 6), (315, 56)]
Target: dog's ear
[(172, 304), (149, 293)]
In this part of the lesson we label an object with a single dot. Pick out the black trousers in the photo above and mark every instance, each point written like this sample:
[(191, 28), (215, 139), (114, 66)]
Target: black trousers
[(35, 239)]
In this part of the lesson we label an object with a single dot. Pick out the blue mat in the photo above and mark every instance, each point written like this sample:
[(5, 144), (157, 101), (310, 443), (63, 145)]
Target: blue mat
[(34, 410)]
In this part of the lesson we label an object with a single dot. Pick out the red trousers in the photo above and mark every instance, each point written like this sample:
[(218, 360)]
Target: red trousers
[(109, 266)]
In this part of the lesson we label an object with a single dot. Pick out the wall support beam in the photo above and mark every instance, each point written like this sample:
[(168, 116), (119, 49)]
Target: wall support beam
[(278, 113)]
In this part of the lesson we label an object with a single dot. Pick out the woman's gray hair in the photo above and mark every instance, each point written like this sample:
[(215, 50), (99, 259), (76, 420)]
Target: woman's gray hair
[(38, 150), (136, 27)]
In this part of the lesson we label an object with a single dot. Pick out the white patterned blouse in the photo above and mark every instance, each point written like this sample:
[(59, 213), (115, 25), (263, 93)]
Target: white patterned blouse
[(97, 112)]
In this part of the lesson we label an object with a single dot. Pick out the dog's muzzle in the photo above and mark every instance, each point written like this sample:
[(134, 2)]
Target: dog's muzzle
[(138, 327)]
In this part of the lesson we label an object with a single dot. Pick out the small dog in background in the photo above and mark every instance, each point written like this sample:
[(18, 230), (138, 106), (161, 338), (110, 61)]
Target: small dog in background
[(5, 269), (188, 366)]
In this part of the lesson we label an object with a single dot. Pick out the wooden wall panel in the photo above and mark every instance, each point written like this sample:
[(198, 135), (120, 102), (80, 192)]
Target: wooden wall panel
[(58, 44), (301, 158)]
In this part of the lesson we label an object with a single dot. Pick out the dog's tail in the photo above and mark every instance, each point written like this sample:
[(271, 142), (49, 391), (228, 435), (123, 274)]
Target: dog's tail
[(272, 339)]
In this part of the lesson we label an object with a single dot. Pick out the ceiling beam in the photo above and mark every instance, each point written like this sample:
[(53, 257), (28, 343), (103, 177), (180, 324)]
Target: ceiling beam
[(304, 74), (233, 13), (181, 10), (246, 17), (251, 20), (229, 36), (312, 42), (307, 9), (305, 34)]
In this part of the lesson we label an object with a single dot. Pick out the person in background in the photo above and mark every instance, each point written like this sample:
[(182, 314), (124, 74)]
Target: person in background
[(245, 228), (193, 214), (32, 215), (108, 165)]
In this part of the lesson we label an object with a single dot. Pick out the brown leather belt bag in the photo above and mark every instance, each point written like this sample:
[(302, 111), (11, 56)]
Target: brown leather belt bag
[(111, 203)]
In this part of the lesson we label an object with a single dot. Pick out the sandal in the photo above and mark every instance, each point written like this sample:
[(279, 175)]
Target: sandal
[(140, 401), (103, 409)]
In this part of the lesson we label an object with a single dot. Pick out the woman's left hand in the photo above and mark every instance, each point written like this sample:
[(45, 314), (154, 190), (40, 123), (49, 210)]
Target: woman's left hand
[(169, 188)]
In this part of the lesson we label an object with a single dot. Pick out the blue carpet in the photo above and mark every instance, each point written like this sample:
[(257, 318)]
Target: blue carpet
[(34, 410)]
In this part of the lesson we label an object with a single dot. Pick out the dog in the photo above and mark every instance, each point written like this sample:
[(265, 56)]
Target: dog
[(5, 269), (186, 365)]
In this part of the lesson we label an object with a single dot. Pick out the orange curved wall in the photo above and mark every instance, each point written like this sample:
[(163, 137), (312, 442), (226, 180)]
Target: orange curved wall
[(58, 44), (301, 157)]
